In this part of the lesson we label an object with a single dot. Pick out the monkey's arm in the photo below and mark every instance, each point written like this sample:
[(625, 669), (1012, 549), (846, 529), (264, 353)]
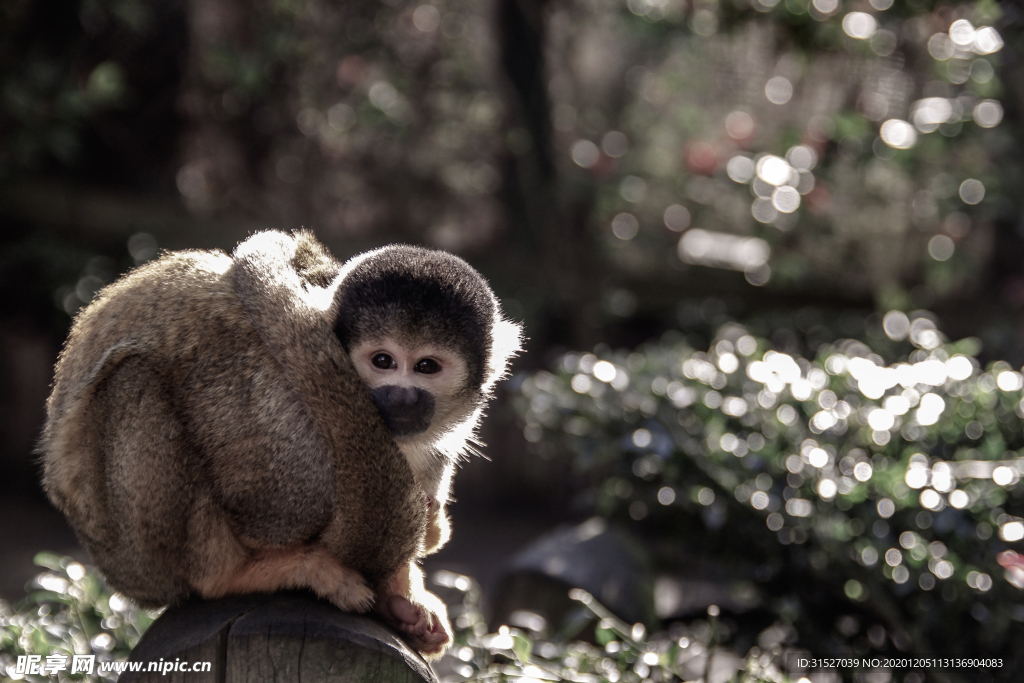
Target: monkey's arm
[(438, 527)]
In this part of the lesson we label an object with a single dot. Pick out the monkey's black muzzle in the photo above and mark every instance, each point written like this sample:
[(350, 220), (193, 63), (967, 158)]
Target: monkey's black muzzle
[(406, 410)]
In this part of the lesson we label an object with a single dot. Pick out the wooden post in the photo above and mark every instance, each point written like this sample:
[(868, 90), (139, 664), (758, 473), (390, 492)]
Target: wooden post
[(282, 637)]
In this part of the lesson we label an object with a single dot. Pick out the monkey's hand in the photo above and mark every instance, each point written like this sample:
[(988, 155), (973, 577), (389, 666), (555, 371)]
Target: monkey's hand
[(420, 616)]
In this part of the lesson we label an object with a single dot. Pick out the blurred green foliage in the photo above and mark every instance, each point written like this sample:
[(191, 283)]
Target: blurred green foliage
[(876, 481), (52, 87), (621, 652), (69, 611), (681, 125), (578, 133)]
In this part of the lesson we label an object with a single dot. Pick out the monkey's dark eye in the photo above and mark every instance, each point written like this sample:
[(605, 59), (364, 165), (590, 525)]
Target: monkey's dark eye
[(428, 366), (383, 361)]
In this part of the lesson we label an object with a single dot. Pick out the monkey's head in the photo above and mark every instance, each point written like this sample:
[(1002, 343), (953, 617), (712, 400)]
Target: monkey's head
[(425, 333)]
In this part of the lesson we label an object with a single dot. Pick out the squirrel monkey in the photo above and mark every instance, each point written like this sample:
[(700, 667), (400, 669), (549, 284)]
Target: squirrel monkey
[(274, 419)]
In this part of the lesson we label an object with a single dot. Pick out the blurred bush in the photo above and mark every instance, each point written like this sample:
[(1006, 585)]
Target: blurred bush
[(619, 651), (69, 611), (868, 494), (852, 138)]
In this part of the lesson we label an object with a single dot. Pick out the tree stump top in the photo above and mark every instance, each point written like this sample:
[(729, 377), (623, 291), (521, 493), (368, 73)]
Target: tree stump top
[(282, 637)]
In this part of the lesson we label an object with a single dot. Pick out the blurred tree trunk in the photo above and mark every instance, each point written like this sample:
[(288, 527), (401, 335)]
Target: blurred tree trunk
[(553, 218)]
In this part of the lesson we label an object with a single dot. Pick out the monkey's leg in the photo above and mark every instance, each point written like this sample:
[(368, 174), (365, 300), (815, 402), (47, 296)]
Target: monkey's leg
[(143, 543), (406, 604), (270, 570)]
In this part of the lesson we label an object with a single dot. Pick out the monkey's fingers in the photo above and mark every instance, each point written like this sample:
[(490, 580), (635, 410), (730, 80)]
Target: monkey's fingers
[(402, 614), (434, 640), (426, 631), (436, 635)]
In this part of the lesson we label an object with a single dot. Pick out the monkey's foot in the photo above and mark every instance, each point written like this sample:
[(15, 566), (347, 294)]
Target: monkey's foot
[(270, 570), (426, 630), (350, 594)]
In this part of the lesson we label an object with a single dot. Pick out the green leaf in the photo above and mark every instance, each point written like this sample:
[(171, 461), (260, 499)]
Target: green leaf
[(48, 560), (604, 635), (522, 646)]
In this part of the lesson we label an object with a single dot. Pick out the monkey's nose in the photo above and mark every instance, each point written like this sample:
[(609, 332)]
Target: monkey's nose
[(399, 397), (405, 410)]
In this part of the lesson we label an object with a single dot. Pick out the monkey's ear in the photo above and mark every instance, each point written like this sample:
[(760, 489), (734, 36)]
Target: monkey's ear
[(312, 261), (506, 342)]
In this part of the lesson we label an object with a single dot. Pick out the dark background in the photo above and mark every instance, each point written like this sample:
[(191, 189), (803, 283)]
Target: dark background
[(128, 126)]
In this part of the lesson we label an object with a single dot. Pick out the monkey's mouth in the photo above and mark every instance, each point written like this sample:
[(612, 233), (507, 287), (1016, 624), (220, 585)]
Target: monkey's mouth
[(405, 411), (402, 426)]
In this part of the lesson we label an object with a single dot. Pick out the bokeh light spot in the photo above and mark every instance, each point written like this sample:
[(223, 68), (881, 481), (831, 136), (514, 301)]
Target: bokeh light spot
[(677, 218), (740, 168), (982, 71), (802, 157), (633, 189), (625, 226), (884, 42), (988, 113), (930, 499), (773, 170), (739, 125), (585, 153), (763, 210), (1002, 475), (898, 134), (722, 250), (896, 325), (1012, 531), (1008, 380), (786, 199), (987, 40), (859, 25), (615, 144), (972, 191), (941, 248), (642, 437), (778, 90), (826, 6), (940, 47), (962, 33), (426, 18), (930, 409), (959, 499)]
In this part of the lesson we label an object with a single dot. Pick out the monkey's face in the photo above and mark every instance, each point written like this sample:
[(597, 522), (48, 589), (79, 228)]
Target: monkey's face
[(419, 388)]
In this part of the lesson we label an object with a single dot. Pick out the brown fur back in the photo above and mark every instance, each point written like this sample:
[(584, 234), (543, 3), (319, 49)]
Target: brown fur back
[(202, 413)]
